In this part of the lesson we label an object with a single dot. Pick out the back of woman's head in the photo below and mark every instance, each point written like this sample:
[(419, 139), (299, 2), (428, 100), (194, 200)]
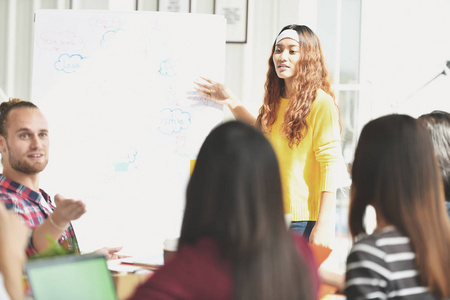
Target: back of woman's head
[(235, 192), (395, 170), (235, 198), (438, 123)]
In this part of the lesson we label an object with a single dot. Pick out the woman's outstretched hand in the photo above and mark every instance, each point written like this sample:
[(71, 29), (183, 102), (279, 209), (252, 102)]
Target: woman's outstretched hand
[(216, 92), (221, 94)]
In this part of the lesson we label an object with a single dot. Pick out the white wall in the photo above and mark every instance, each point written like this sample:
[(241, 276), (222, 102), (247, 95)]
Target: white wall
[(404, 44), (246, 63)]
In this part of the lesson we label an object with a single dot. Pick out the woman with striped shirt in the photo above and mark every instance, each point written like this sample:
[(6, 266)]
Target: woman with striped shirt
[(408, 255)]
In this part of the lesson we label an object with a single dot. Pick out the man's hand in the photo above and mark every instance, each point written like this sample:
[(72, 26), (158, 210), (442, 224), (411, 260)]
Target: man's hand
[(67, 210), (110, 252)]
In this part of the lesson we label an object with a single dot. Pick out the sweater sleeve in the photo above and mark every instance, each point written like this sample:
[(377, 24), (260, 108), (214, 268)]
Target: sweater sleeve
[(326, 140)]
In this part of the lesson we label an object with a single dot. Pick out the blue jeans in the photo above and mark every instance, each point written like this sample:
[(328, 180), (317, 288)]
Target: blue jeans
[(303, 227)]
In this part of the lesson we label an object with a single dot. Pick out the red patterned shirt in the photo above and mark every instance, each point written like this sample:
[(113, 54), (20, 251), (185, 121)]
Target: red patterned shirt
[(27, 204)]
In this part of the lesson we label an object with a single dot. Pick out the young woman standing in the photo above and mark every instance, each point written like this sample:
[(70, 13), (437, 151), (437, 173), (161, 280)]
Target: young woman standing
[(301, 119)]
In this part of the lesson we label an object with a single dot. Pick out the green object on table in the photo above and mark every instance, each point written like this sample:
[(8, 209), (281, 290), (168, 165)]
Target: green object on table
[(54, 249)]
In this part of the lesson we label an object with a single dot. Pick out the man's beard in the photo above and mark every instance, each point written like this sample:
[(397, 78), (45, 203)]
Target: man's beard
[(24, 166)]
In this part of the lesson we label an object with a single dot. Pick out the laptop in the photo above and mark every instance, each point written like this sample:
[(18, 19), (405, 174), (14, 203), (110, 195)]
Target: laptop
[(70, 277)]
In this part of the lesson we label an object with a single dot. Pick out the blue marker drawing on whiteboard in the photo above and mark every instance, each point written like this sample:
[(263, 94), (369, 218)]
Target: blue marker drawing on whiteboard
[(173, 121), (132, 156), (124, 165), (69, 63), (109, 37), (167, 68)]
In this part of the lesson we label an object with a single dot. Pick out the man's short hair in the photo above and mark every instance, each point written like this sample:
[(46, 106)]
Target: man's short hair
[(7, 106)]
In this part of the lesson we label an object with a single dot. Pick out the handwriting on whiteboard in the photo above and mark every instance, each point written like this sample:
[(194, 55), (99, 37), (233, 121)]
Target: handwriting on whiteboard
[(69, 63), (60, 41), (173, 121)]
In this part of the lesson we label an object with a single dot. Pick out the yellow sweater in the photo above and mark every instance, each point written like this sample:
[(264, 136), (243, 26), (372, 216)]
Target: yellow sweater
[(311, 167)]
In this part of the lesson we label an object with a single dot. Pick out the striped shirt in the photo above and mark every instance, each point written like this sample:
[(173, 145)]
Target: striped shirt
[(382, 266)]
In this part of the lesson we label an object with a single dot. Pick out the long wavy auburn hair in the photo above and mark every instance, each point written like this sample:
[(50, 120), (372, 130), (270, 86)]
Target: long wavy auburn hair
[(396, 171), (312, 75)]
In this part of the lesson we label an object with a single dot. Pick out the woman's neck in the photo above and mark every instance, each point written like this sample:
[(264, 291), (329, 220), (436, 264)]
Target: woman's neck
[(381, 223), (288, 88)]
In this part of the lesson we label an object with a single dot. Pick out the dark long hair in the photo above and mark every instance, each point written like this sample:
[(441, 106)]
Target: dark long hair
[(438, 122), (395, 170), (312, 75), (235, 197)]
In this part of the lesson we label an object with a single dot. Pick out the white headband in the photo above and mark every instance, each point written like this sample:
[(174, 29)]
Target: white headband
[(288, 34)]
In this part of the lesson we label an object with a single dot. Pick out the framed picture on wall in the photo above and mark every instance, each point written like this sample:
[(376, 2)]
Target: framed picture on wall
[(174, 5), (236, 13)]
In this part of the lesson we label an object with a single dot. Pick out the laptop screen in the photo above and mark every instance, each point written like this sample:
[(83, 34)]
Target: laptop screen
[(71, 277)]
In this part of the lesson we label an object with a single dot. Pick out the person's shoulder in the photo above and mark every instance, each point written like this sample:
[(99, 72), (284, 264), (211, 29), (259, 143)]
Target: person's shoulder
[(196, 269), (382, 243), (323, 97), (388, 232), (8, 192), (322, 101), (8, 195), (7, 185), (203, 254), (365, 240), (4, 182)]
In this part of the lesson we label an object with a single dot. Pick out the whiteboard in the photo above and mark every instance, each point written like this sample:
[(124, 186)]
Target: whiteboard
[(125, 120)]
